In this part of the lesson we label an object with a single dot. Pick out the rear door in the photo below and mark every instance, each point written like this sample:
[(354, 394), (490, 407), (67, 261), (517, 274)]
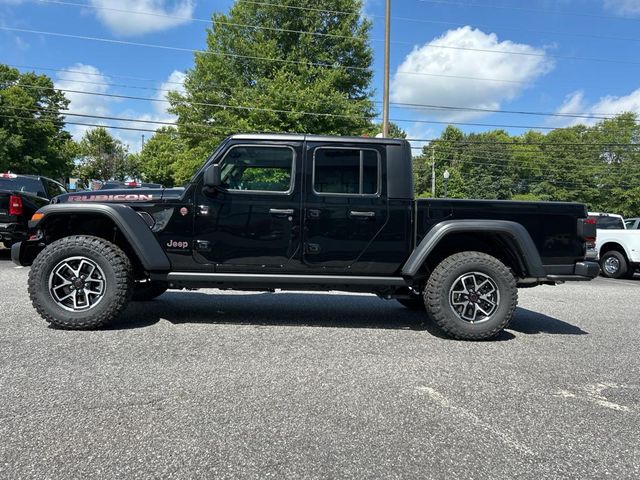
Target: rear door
[(345, 205)]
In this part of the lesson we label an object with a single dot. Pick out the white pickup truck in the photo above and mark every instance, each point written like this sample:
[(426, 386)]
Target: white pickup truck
[(617, 247)]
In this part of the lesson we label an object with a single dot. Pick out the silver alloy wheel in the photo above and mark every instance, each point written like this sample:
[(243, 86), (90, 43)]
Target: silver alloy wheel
[(474, 297), (77, 284), (611, 265)]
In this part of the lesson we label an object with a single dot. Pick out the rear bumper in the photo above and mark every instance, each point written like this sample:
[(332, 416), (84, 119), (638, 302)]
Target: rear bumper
[(12, 232), (582, 272)]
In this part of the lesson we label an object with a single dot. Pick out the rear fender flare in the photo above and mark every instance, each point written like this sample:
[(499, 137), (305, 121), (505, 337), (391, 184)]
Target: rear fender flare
[(134, 229), (514, 232)]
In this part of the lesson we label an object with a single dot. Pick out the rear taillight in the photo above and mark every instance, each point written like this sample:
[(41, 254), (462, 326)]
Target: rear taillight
[(590, 230), (15, 205)]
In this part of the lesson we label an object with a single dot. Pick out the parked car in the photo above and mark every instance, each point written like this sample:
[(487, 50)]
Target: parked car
[(20, 197), (632, 223), (131, 184), (617, 247), (299, 212)]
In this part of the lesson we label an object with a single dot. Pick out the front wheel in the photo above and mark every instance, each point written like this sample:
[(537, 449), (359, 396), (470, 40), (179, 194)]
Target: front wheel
[(80, 282), (471, 296)]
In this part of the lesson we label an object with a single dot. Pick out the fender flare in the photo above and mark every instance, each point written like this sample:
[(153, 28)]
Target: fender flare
[(133, 228), (515, 233)]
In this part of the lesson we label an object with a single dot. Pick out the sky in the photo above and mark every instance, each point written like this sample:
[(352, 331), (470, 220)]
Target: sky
[(541, 56)]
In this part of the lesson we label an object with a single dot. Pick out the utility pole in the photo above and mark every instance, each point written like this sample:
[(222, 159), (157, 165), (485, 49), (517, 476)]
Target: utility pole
[(433, 171), (385, 93), (143, 141)]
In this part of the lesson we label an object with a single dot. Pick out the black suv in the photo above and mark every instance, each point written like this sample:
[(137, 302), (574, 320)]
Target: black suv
[(300, 212), (20, 197)]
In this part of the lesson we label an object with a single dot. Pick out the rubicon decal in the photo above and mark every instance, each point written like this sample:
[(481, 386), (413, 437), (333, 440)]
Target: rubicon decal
[(111, 198)]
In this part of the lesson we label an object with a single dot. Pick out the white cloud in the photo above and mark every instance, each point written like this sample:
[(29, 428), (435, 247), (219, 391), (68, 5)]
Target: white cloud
[(623, 7), (575, 103), (99, 105), (175, 82), (74, 81), (520, 70), (165, 14)]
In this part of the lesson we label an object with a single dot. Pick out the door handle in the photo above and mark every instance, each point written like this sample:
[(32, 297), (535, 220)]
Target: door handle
[(281, 211), (357, 214)]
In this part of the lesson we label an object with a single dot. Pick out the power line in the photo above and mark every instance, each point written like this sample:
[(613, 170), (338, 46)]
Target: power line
[(180, 49), (525, 9), (418, 106), (205, 20), (294, 112), (452, 149), (319, 64)]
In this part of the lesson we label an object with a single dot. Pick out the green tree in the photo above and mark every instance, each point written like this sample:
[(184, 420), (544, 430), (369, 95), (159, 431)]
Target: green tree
[(102, 157), (160, 158), (32, 136), (266, 73), (394, 130)]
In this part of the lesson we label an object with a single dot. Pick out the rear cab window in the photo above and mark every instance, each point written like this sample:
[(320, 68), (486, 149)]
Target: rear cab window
[(24, 185), (606, 222)]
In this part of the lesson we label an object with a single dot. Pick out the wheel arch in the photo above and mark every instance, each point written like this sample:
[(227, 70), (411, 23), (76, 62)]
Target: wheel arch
[(508, 241), (611, 245), (119, 224)]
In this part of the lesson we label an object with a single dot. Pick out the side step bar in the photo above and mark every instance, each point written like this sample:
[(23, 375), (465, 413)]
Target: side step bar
[(275, 279)]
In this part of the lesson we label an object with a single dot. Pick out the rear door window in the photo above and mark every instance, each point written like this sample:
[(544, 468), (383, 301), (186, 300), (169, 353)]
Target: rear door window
[(346, 171)]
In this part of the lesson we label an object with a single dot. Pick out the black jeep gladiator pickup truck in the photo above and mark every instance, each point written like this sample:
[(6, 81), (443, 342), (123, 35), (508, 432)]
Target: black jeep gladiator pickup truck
[(20, 197), (300, 212)]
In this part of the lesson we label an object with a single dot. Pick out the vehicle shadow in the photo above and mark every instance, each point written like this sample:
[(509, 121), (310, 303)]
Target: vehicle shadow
[(530, 322), (5, 253), (309, 310)]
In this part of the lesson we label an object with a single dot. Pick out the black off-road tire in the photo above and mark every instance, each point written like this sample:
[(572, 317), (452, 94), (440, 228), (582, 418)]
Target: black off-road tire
[(624, 270), (147, 291), (118, 287), (441, 281), (416, 304)]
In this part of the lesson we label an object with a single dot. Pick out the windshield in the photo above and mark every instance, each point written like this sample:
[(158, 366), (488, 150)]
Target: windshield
[(23, 184), (609, 223)]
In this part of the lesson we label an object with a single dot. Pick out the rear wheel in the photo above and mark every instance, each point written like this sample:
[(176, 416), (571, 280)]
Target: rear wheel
[(613, 264), (471, 296), (80, 282)]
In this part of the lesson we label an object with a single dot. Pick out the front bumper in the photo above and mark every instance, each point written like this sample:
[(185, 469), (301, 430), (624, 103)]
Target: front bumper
[(24, 253), (582, 272)]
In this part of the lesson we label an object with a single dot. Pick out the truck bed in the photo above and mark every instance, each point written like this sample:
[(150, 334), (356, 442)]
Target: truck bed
[(552, 225)]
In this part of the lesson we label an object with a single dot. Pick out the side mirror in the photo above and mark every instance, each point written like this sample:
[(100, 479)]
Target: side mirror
[(212, 176)]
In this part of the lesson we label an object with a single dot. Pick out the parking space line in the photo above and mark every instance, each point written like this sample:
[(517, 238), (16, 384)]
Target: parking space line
[(444, 402)]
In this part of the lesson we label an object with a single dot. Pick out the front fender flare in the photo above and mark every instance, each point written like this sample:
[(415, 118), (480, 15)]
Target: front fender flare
[(132, 226), (515, 232)]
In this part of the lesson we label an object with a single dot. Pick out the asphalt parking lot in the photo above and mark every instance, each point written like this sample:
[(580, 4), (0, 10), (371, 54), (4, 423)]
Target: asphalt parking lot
[(216, 384)]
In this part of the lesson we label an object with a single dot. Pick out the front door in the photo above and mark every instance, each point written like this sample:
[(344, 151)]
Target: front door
[(253, 220), (345, 206)]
